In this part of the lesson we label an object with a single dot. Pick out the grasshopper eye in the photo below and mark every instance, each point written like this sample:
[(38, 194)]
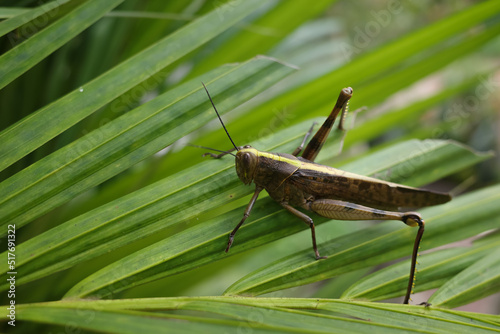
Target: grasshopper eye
[(247, 159)]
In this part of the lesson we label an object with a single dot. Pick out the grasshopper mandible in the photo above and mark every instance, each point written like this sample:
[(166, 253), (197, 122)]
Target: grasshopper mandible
[(295, 181)]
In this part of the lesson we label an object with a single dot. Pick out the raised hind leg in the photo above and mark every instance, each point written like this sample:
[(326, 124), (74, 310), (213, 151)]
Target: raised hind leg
[(349, 211)]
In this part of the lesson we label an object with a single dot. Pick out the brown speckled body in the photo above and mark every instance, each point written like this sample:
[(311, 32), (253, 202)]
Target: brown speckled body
[(300, 182)]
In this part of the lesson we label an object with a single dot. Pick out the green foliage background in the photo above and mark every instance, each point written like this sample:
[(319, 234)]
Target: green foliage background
[(120, 226)]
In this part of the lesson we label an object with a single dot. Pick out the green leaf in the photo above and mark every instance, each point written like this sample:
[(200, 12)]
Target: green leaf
[(372, 93), (204, 243), (463, 217), (9, 12), (129, 139), (372, 128), (268, 315), (125, 321), (116, 146), (26, 55), (43, 125), (411, 54), (281, 19), (19, 16), (479, 280), (434, 270)]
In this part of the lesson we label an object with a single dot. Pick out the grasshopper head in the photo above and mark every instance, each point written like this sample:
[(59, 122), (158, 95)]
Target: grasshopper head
[(247, 159)]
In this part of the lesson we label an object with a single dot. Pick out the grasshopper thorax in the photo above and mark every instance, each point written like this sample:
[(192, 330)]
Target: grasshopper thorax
[(247, 160)]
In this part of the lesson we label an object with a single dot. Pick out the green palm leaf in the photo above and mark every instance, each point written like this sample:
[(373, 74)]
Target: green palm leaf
[(93, 95), (129, 139), (266, 315)]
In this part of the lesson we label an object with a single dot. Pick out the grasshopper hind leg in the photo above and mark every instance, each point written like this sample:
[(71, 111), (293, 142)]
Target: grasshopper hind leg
[(412, 218), (350, 211), (316, 143), (308, 220)]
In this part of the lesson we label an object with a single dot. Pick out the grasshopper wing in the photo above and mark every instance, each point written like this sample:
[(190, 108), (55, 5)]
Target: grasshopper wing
[(327, 182)]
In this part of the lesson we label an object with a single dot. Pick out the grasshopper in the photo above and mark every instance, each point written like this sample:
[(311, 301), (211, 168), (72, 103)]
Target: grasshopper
[(295, 181)]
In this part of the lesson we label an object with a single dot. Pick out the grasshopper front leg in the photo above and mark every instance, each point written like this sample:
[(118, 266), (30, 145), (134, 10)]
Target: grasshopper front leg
[(245, 216), (301, 146), (349, 211)]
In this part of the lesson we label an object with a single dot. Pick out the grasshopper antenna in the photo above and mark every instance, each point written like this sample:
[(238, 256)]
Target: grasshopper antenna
[(213, 149), (220, 119)]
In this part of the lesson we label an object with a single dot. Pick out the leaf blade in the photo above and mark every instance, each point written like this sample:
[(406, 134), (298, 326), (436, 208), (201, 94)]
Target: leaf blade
[(479, 280), (434, 270), (268, 314), (26, 55), (84, 101)]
